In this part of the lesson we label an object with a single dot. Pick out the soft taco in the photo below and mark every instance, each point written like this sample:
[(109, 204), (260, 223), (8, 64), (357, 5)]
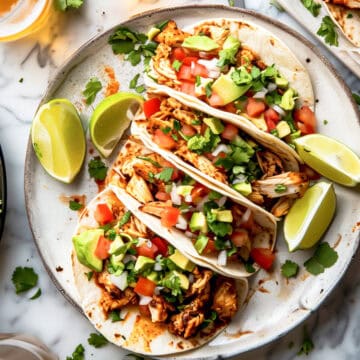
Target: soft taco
[(346, 15), (243, 162), (139, 291), (238, 68), (203, 221)]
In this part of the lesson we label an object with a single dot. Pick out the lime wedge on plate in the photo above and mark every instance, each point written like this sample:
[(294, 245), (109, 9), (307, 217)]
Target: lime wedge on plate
[(58, 139), (310, 216), (111, 118), (329, 158)]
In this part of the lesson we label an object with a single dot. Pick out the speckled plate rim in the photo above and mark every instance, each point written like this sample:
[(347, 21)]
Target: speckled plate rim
[(60, 75)]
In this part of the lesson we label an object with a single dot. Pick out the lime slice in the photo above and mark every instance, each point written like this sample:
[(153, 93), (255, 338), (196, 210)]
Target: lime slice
[(310, 216), (329, 158), (58, 139), (111, 118)]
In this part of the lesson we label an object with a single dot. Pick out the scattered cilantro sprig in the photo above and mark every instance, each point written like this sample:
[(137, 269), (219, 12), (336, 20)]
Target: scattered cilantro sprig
[(97, 169), (307, 345), (324, 257), (356, 98), (91, 89), (165, 175), (64, 5), (289, 269), (97, 340), (78, 353), (133, 84), (75, 205), (312, 6), (24, 279), (328, 31)]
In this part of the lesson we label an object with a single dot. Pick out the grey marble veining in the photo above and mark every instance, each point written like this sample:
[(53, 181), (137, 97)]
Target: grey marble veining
[(334, 328)]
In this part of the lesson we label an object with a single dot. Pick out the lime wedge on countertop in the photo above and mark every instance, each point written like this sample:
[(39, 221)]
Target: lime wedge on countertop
[(111, 118), (310, 216), (329, 158), (58, 139)]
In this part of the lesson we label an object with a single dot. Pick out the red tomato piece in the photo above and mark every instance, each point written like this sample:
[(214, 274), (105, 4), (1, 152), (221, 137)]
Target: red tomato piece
[(199, 70), (271, 125), (271, 115), (189, 59), (169, 216), (149, 252), (102, 248), (198, 192), (254, 107), (144, 310), (230, 131), (240, 237), (215, 100), (210, 247), (162, 246), (230, 108), (188, 130), (188, 87), (145, 287), (151, 106), (185, 73), (263, 257), (103, 215), (162, 196), (178, 54), (305, 120), (165, 141)]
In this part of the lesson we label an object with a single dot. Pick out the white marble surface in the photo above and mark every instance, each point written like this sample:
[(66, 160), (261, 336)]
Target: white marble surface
[(334, 328)]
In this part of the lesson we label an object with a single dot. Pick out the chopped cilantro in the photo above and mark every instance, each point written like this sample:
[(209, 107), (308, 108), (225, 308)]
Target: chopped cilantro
[(324, 257), (203, 143), (313, 267), (255, 72), (327, 30), (140, 89), (133, 81), (36, 295), (208, 89), (356, 98), (172, 282), (325, 122), (249, 267), (89, 275), (312, 6), (197, 80), (349, 16), (214, 195), (231, 2), (280, 188), (21, 80), (97, 169), (97, 340), (111, 234), (161, 26), (115, 316), (124, 219), (175, 137), (220, 228), (307, 345), (24, 278), (151, 161), (177, 65), (241, 76), (165, 175), (64, 5), (78, 353), (166, 129), (75, 205), (212, 317), (289, 269), (91, 89), (177, 125)]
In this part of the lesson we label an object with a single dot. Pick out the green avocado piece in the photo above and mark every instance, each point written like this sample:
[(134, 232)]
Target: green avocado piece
[(287, 100), (117, 264), (198, 222), (281, 82), (184, 281), (243, 188), (85, 246), (283, 129), (153, 32), (200, 43), (223, 215), (227, 89), (200, 243), (153, 276), (116, 245), (143, 263), (214, 124), (184, 190), (181, 261)]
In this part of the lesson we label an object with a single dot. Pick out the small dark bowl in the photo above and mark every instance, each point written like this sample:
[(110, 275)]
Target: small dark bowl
[(2, 192)]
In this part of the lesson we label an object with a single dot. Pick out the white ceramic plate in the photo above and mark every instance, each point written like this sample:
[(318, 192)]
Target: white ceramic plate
[(345, 52), (275, 305)]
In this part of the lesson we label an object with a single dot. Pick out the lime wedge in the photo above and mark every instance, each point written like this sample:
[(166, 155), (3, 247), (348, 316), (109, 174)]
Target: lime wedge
[(58, 139), (111, 118), (329, 158), (310, 216)]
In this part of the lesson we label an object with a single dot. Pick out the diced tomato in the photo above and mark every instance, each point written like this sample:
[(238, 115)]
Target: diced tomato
[(230, 131), (198, 192), (144, 310), (215, 100), (162, 196), (210, 156), (310, 173), (249, 223), (102, 248), (188, 87), (254, 107), (149, 252), (103, 215), (230, 108), (178, 54), (263, 257), (188, 130), (199, 70), (185, 73), (151, 106), (165, 141), (189, 59), (305, 120), (271, 125), (176, 172), (210, 247), (145, 287), (169, 216), (162, 245), (271, 116), (240, 237)]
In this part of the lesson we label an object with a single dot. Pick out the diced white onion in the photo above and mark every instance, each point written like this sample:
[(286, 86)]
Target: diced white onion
[(200, 205), (157, 267), (191, 278), (189, 234), (261, 239), (211, 66), (272, 87), (158, 290), (221, 148), (188, 198), (175, 197), (145, 300), (221, 201), (239, 179), (245, 216), (142, 241), (181, 223), (123, 313), (149, 244), (222, 258), (128, 258), (120, 281), (279, 110), (260, 94)]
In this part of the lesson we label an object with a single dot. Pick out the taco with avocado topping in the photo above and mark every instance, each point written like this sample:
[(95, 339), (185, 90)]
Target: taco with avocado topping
[(233, 67), (139, 291), (198, 218), (235, 158)]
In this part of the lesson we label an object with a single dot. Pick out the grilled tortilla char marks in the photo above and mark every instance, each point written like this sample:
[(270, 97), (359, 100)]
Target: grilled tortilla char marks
[(352, 4), (155, 207)]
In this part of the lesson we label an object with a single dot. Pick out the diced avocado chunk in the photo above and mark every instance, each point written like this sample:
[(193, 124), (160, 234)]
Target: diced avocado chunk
[(152, 33), (227, 89), (223, 215), (200, 43), (287, 100), (243, 188), (117, 264), (281, 82), (295, 135), (85, 246), (143, 263), (116, 245), (181, 261), (231, 42), (198, 222), (153, 276), (184, 190), (214, 124), (283, 129), (200, 243), (260, 122)]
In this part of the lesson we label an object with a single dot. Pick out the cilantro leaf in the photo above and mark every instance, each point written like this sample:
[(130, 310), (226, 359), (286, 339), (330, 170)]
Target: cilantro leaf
[(280, 188), (313, 267), (24, 278), (161, 26), (249, 267), (172, 282), (214, 195), (312, 6), (74, 205), (165, 175), (325, 255), (89, 275), (91, 89), (356, 98), (231, 2), (115, 316), (289, 269), (133, 81), (97, 340), (327, 30), (307, 345), (177, 65), (36, 295), (124, 219), (97, 169), (78, 353), (203, 143), (64, 5)]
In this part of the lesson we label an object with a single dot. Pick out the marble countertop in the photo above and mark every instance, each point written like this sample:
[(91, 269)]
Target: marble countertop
[(334, 328)]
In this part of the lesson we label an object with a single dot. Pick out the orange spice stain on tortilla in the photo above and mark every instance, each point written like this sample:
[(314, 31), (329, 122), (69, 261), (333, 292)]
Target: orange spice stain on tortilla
[(81, 199), (144, 331), (238, 334), (338, 240), (263, 290), (356, 227), (113, 85)]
